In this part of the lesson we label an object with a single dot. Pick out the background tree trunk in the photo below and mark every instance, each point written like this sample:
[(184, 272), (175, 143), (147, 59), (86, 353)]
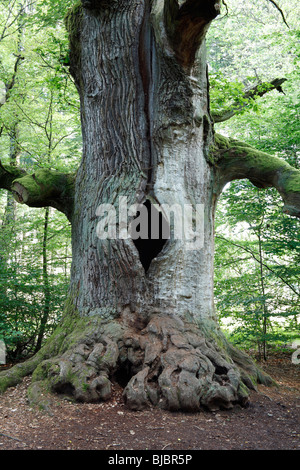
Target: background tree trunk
[(46, 285)]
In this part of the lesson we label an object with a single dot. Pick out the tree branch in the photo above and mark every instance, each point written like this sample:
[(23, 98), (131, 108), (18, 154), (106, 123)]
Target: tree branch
[(10, 85), (186, 24), (237, 160), (8, 174), (42, 189), (253, 93), (280, 11)]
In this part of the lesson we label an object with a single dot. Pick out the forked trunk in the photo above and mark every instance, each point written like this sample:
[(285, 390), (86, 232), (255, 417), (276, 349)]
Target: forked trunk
[(146, 132)]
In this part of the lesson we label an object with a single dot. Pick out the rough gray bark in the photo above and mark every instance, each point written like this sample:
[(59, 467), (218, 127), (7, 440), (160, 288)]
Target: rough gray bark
[(143, 138), (147, 135)]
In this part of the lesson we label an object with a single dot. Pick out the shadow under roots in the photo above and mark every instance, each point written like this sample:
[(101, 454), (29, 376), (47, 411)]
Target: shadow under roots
[(123, 374)]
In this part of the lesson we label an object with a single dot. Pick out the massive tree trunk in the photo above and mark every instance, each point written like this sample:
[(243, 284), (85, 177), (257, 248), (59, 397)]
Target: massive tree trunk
[(141, 312)]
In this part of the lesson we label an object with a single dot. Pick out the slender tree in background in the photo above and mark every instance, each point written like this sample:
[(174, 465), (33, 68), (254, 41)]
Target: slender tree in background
[(142, 312), (256, 269), (35, 126)]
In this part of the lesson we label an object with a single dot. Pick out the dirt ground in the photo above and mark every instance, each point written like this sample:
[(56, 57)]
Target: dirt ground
[(270, 422)]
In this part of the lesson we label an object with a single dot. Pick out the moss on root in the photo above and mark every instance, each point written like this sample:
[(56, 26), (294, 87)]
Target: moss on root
[(53, 346), (170, 364), (251, 374)]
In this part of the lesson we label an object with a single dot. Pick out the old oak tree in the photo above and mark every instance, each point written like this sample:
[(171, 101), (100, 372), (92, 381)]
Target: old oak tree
[(141, 312)]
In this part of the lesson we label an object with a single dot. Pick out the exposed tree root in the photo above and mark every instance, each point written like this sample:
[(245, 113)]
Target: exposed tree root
[(183, 369), (168, 363)]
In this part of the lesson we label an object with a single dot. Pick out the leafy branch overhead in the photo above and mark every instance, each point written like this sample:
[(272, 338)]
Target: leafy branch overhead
[(243, 101)]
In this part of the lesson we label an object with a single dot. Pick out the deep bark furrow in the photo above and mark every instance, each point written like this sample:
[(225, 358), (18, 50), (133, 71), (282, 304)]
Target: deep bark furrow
[(116, 97), (145, 64)]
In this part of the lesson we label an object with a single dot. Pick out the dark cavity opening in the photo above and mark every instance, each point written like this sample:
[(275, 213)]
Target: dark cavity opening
[(149, 231), (123, 374), (64, 388), (221, 370)]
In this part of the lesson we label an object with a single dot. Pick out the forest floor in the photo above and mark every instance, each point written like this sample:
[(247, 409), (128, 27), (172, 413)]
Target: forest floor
[(270, 422)]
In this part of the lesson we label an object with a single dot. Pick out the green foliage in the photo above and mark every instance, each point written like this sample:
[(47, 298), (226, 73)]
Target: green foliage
[(249, 46), (227, 94), (43, 101), (257, 266), (39, 128), (257, 271), (22, 294)]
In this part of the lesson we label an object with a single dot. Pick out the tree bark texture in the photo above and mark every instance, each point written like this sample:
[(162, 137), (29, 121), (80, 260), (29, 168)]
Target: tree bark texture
[(140, 70), (146, 128)]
